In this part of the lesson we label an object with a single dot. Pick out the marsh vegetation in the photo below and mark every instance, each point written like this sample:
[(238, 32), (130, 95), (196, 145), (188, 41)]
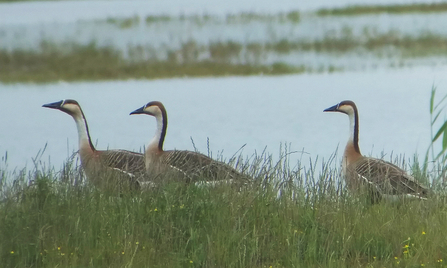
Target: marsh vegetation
[(72, 61), (299, 216), (244, 43), (90, 62), (356, 10)]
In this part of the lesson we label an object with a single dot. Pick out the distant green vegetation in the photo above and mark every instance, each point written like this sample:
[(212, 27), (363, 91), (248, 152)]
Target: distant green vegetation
[(200, 20), (375, 9), (161, 18), (72, 61), (245, 17), (58, 221), (89, 62), (124, 22), (408, 46), (236, 18)]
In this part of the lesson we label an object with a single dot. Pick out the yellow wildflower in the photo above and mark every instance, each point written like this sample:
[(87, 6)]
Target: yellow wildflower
[(155, 209), (423, 232), (12, 251), (136, 243), (190, 261)]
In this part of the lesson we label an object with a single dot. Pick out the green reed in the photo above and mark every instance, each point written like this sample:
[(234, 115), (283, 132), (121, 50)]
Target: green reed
[(288, 217)]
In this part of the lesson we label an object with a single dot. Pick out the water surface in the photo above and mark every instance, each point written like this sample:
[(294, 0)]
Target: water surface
[(254, 111), (70, 11)]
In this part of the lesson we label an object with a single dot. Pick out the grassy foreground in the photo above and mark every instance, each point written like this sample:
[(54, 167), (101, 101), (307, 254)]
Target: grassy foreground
[(62, 222)]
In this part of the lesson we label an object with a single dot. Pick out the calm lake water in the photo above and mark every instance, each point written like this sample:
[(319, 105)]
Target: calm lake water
[(235, 111), (256, 111)]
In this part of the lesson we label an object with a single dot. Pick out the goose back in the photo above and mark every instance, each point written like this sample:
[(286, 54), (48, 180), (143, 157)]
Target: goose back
[(124, 160), (197, 166)]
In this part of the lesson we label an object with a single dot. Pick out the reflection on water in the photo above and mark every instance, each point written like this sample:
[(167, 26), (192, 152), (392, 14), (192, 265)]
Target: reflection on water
[(256, 111)]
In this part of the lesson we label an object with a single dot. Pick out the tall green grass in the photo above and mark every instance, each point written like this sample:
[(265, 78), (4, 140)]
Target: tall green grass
[(289, 217), (436, 158)]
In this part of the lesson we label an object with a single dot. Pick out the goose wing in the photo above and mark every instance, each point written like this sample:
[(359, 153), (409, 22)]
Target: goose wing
[(125, 161), (195, 166), (387, 178)]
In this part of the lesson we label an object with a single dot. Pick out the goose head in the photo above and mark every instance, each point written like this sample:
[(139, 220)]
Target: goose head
[(154, 108), (157, 110), (68, 106), (347, 107)]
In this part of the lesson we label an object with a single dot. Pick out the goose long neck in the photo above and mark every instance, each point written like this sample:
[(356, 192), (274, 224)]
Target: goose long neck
[(159, 137), (83, 133), (354, 130)]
